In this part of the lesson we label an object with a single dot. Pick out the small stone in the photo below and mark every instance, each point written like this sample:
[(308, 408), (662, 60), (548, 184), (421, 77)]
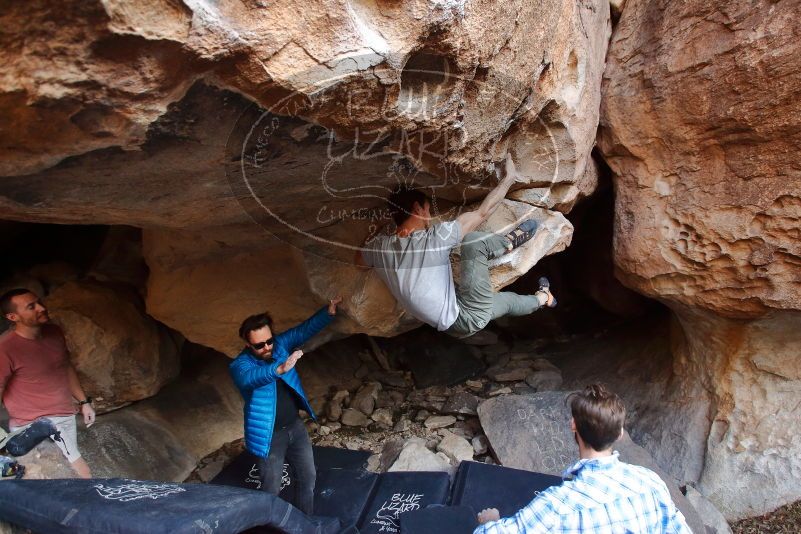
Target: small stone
[(395, 379), (415, 456), (464, 428), (390, 451), (335, 405), (521, 388), (461, 403), (439, 421), (480, 444), (496, 389), (324, 430), (365, 398), (382, 416), (475, 384), (545, 380), (520, 356), (422, 415), (384, 400), (456, 448), (402, 425), (353, 417), (334, 426), (398, 397), (374, 463), (507, 374)]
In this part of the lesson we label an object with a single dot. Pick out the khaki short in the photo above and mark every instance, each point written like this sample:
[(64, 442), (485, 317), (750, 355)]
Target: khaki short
[(68, 428)]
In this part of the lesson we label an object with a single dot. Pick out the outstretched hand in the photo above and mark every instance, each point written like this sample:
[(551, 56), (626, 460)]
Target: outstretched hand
[(290, 362), (332, 305)]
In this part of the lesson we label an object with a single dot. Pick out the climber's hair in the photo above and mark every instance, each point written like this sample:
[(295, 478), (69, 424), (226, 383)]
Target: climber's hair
[(401, 202), (599, 415), (6, 304), (254, 322)]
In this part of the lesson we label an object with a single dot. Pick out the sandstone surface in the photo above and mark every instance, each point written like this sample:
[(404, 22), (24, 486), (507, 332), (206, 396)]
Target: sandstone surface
[(209, 124), (120, 353), (699, 126)]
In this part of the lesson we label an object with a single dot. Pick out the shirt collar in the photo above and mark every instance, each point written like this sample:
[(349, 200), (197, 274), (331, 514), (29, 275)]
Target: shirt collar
[(592, 464)]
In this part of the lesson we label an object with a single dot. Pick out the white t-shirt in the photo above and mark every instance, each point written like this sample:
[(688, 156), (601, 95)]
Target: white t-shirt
[(417, 270)]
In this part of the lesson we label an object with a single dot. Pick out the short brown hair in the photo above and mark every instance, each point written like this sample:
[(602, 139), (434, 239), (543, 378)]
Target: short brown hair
[(402, 200), (599, 415), (254, 322), (6, 300)]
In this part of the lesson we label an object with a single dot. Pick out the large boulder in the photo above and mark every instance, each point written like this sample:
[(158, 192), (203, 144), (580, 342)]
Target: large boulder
[(699, 118), (211, 123), (120, 353)]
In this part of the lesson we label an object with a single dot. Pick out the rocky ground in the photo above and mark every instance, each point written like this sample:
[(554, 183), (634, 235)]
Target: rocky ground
[(785, 520), (419, 407)]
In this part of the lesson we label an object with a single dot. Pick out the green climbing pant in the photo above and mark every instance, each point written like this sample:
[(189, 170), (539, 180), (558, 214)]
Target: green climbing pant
[(478, 303)]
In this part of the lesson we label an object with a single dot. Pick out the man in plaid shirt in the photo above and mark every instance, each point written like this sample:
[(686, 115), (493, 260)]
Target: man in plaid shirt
[(600, 493)]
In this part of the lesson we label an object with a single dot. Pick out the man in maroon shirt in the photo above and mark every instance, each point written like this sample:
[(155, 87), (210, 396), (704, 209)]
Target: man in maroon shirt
[(36, 376)]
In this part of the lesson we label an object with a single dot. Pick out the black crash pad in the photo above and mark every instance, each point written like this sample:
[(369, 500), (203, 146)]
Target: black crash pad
[(439, 520), (243, 471), (480, 486), (120, 505), (343, 493), (400, 492)]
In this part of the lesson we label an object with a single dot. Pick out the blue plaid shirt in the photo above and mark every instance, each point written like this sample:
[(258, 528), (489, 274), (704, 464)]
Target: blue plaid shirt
[(605, 495)]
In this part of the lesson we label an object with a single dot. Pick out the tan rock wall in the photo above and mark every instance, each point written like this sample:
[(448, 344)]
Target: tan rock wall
[(698, 124)]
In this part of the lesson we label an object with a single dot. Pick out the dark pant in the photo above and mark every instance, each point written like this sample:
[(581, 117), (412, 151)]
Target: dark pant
[(290, 444), (478, 303)]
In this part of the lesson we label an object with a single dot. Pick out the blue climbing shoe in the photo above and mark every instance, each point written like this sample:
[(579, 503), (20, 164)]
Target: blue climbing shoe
[(522, 233)]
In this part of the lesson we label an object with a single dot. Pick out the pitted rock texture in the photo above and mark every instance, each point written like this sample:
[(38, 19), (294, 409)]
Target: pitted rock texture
[(140, 113), (699, 120), (699, 125)]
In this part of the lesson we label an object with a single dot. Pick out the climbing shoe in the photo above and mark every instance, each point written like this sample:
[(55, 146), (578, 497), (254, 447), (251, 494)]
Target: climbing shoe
[(522, 233), (545, 287)]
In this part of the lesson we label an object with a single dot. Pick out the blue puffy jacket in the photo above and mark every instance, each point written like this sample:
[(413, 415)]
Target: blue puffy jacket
[(256, 378)]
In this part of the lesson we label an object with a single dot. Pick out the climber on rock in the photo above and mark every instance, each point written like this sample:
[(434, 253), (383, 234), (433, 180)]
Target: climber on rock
[(414, 262), (265, 374)]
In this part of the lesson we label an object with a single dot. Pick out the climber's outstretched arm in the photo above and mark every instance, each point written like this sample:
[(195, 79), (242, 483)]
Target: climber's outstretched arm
[(471, 220)]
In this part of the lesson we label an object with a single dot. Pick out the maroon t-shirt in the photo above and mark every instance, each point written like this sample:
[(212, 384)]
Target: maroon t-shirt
[(34, 372)]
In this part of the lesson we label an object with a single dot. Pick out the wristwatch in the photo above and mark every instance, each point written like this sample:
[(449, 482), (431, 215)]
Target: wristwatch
[(87, 401)]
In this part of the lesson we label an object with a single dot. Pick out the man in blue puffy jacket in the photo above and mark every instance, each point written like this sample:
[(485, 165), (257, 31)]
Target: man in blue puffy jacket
[(265, 374)]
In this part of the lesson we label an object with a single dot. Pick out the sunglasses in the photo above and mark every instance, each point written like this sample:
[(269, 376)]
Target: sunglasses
[(259, 346)]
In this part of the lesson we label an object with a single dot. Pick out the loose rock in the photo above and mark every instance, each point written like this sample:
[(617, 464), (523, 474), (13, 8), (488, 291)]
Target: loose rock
[(439, 421), (545, 380), (456, 448), (353, 417), (461, 403), (365, 398)]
